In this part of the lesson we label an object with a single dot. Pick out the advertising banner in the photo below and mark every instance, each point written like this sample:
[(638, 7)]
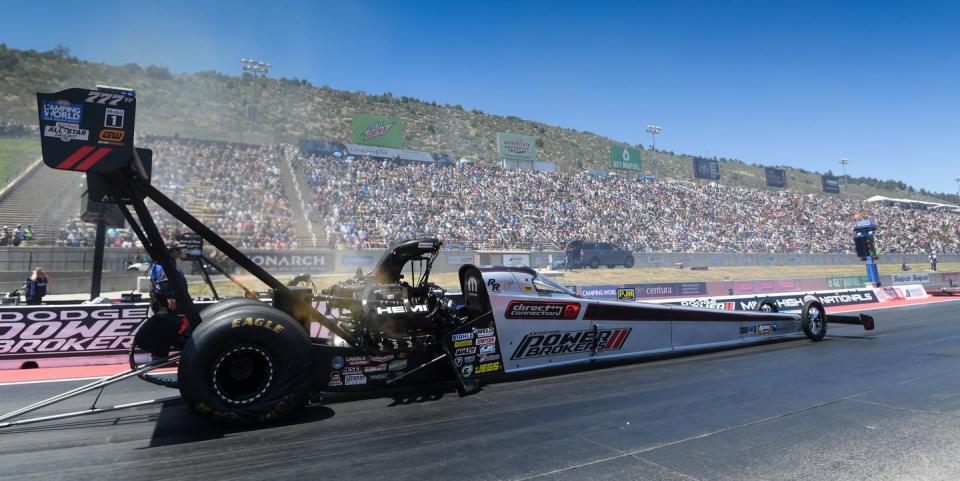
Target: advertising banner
[(516, 147), (381, 131), (775, 177), (625, 158), (59, 331), (830, 184), (847, 282), (293, 261), (765, 286), (785, 302), (918, 278), (644, 291), (516, 260), (706, 168), (388, 153)]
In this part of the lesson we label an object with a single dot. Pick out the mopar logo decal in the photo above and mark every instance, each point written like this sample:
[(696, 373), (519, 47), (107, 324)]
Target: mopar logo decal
[(571, 342), (542, 310), (472, 285)]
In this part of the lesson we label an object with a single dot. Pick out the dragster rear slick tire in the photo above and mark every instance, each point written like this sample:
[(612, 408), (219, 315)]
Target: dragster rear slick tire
[(245, 365), (768, 305), (813, 320)]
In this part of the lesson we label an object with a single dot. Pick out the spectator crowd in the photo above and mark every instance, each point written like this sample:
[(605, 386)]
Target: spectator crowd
[(237, 190), (366, 202)]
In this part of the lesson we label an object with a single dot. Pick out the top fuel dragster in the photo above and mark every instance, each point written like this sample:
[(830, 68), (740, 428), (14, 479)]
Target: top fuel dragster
[(243, 360)]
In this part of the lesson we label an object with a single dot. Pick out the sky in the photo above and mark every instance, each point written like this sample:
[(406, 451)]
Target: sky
[(770, 82)]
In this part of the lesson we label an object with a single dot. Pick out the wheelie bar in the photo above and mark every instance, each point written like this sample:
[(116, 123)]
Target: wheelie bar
[(858, 320)]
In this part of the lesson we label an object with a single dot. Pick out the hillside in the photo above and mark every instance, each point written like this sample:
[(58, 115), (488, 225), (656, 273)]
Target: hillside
[(211, 105)]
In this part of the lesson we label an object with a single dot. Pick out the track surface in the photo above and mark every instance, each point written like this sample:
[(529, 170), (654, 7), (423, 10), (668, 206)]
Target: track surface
[(877, 405)]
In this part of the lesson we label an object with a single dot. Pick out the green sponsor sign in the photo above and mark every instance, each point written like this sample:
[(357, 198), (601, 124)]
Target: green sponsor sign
[(516, 147), (625, 158), (381, 131), (847, 282)]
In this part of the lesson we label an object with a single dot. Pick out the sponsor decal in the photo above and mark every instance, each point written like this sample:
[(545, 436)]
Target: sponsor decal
[(916, 292), (470, 359), (464, 343), (379, 377), (759, 330), (490, 357), (61, 111), (106, 98), (558, 343), (465, 351), (398, 365), (425, 245), (486, 341), (384, 358), (708, 304), (466, 371), (485, 332), (113, 118), (402, 309), (473, 286), (66, 132), (488, 349), (337, 363), (542, 310), (458, 361), (375, 368), (627, 294), (462, 336), (267, 324), (354, 379), (335, 379), (493, 285), (357, 361), (847, 282), (352, 369), (488, 367)]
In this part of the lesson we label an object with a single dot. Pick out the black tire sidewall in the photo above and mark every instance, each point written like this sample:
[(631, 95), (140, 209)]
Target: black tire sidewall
[(805, 322), (594, 263), (212, 310), (290, 355), (628, 262)]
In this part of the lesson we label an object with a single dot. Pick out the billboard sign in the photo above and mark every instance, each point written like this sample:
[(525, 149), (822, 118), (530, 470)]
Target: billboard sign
[(516, 147), (830, 184), (706, 168), (625, 158), (775, 177), (379, 131)]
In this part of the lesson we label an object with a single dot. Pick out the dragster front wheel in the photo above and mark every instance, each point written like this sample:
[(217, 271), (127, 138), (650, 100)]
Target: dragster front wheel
[(248, 364), (813, 320)]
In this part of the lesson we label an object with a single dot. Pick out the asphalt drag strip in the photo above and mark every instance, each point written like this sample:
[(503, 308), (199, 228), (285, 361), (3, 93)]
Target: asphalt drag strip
[(883, 404)]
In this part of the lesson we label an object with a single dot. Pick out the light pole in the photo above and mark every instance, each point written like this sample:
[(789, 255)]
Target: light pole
[(844, 161), (257, 69), (654, 130), (958, 189)]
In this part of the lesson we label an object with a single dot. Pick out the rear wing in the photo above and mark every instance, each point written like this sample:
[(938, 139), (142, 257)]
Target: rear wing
[(87, 130)]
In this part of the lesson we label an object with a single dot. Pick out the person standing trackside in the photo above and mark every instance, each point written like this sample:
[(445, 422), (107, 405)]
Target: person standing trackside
[(37, 287), (933, 262)]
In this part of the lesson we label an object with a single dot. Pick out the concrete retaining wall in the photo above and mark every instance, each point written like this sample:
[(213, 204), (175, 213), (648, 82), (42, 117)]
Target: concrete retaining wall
[(80, 259)]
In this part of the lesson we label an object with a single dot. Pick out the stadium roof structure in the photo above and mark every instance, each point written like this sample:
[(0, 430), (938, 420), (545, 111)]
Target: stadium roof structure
[(911, 203)]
